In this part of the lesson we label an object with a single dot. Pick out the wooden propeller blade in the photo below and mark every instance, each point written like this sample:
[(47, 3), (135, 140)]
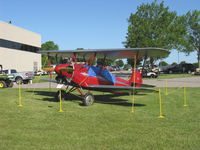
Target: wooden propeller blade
[(48, 69)]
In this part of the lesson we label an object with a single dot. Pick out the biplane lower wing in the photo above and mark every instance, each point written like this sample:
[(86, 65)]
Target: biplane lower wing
[(111, 88)]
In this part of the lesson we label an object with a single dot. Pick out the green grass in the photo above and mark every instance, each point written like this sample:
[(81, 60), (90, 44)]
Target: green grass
[(108, 124), (170, 76)]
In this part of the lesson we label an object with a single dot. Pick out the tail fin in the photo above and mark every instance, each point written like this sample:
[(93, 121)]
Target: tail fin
[(138, 79)]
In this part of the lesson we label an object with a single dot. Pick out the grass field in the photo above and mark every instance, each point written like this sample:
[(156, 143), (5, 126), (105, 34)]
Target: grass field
[(170, 76), (108, 124)]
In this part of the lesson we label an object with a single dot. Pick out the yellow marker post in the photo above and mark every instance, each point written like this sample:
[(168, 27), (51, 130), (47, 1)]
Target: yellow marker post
[(160, 101), (60, 96), (133, 101), (185, 96), (134, 76), (20, 95), (166, 87)]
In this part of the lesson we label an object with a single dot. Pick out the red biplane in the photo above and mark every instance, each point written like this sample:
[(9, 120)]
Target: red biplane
[(86, 76)]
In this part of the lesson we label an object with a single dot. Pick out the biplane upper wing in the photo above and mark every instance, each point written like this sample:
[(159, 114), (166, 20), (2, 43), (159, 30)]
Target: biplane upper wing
[(111, 88), (110, 53)]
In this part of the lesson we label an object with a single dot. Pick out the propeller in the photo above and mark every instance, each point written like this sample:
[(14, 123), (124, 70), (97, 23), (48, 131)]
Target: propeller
[(48, 69), (67, 69)]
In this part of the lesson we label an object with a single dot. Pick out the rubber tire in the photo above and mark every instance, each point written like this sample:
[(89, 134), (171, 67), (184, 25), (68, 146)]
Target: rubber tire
[(170, 71), (88, 99), (19, 79), (10, 84), (26, 81), (152, 76), (63, 96), (3, 84)]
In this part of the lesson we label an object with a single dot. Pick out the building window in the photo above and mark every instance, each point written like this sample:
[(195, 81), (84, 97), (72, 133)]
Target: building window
[(19, 46)]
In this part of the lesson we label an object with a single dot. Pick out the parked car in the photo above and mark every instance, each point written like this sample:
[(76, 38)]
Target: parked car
[(40, 72), (181, 68), (20, 77), (151, 73)]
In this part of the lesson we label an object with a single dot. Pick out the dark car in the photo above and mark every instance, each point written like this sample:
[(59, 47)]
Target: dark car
[(181, 68)]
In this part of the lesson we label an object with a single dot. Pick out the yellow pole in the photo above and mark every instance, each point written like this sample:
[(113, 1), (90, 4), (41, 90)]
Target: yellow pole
[(133, 99), (166, 88), (185, 96), (20, 95), (61, 110), (160, 101)]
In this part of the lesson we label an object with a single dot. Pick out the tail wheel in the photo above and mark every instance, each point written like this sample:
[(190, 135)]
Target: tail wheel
[(3, 84), (88, 99), (19, 80), (63, 95)]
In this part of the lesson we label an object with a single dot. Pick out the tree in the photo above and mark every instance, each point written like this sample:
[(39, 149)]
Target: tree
[(106, 62), (80, 59), (131, 61), (193, 33), (153, 25), (183, 62), (119, 63), (127, 67), (195, 65), (163, 63), (173, 64), (49, 45)]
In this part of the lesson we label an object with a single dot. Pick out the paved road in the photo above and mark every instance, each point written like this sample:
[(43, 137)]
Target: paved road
[(176, 82)]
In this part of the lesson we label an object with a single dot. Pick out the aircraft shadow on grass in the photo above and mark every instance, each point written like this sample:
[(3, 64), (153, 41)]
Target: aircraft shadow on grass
[(111, 99)]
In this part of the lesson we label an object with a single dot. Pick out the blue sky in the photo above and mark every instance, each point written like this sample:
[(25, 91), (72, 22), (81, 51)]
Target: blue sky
[(84, 23)]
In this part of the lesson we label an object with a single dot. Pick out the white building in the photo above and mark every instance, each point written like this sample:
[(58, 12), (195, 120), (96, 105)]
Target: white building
[(18, 48)]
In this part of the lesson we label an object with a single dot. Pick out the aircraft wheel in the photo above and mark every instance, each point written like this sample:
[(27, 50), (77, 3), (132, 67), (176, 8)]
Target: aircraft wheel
[(88, 99), (63, 95), (2, 84)]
